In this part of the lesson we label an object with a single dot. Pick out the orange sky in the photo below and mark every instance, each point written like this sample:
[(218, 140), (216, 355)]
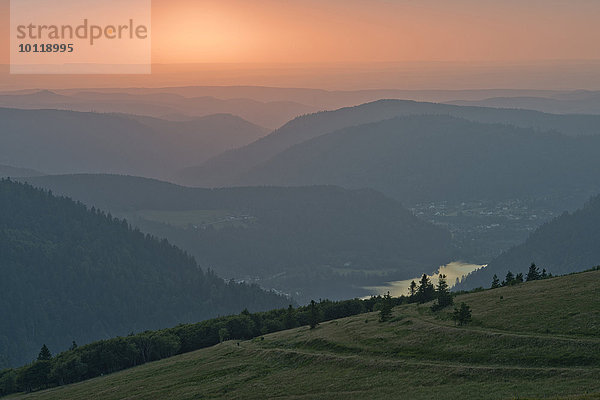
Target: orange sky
[(501, 32), (374, 30)]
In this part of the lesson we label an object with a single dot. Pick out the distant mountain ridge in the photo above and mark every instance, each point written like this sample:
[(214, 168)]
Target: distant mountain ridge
[(573, 103), (434, 158), (72, 142), (15, 172), (156, 104), (226, 169)]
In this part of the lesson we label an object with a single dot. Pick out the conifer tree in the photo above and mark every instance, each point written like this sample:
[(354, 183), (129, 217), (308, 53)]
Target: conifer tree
[(44, 354), (412, 290), (510, 279), (442, 293), (495, 282), (462, 315), (425, 291), (533, 274), (386, 308)]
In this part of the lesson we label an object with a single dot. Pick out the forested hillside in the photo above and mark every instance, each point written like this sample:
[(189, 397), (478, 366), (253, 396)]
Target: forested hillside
[(438, 158), (312, 242), (230, 166), (73, 274), (567, 244)]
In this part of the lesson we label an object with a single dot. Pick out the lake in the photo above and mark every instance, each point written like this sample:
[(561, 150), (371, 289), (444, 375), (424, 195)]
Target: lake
[(453, 270)]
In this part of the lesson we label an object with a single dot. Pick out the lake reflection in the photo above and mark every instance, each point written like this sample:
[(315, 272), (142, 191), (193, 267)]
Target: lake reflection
[(452, 271)]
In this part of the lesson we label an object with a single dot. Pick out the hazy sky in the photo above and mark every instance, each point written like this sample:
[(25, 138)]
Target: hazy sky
[(374, 30), (496, 33)]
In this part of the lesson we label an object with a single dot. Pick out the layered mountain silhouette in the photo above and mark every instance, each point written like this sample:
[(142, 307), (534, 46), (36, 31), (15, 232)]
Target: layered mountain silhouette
[(432, 157), (235, 166), (67, 142), (577, 102), (271, 114)]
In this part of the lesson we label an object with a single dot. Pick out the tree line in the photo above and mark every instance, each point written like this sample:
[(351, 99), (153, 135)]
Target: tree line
[(106, 356), (424, 292), (534, 274)]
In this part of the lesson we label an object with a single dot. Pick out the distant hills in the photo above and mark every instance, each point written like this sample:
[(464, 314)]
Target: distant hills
[(311, 242), (14, 172), (225, 150), (578, 102), (67, 142), (73, 274), (271, 114), (234, 166), (567, 244), (272, 107), (433, 157)]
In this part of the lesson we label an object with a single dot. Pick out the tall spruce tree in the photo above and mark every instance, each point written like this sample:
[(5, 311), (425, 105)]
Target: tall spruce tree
[(442, 293), (425, 291), (495, 282), (510, 279), (45, 354), (533, 274), (412, 290), (386, 308)]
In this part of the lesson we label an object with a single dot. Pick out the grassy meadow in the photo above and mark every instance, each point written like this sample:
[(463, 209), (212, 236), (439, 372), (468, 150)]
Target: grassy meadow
[(537, 340)]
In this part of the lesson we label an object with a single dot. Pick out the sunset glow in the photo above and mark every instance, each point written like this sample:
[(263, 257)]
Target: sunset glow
[(374, 30), (353, 33)]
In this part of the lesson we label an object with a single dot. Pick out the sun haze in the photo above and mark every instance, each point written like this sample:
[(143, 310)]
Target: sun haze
[(381, 43), (277, 31)]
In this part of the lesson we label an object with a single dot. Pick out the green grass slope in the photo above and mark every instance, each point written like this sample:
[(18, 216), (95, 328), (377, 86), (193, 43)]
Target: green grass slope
[(535, 340)]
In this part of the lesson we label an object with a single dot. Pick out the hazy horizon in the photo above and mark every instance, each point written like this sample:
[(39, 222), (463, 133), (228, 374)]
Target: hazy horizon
[(356, 44)]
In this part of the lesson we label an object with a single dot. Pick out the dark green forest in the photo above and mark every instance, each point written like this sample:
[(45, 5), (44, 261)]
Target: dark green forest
[(72, 273)]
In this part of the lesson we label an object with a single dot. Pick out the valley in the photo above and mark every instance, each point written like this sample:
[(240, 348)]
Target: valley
[(300, 200)]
